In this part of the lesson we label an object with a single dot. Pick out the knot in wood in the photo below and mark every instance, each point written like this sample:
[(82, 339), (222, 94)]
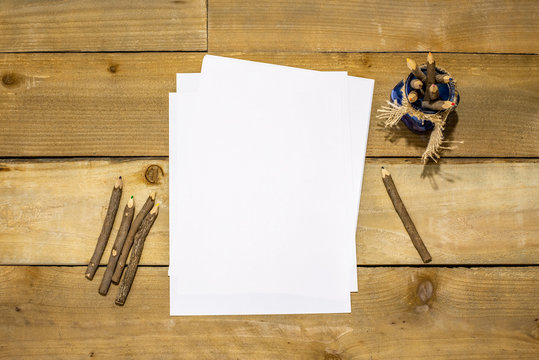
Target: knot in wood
[(9, 79), (152, 173), (331, 356), (424, 291), (113, 68)]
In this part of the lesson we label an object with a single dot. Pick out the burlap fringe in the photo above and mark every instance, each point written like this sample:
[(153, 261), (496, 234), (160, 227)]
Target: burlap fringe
[(392, 114)]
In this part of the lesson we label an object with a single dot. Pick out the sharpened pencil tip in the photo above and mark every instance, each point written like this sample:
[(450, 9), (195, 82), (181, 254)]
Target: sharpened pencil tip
[(119, 183), (385, 172), (155, 209), (131, 202), (412, 97), (430, 58), (152, 195), (411, 64)]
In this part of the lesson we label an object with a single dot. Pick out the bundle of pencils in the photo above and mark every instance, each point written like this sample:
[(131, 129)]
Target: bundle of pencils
[(425, 87), (131, 234)]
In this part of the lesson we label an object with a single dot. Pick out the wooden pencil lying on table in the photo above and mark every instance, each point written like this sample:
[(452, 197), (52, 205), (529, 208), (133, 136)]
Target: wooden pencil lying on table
[(134, 260), (106, 229), (148, 205), (127, 217), (405, 217)]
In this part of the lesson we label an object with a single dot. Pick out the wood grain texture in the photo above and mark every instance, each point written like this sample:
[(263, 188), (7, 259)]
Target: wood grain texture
[(117, 104), (472, 313), (51, 210), (373, 25), (88, 104), (100, 25), (466, 211)]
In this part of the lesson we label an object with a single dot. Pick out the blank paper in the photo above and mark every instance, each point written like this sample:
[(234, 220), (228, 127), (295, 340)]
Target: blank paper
[(264, 194)]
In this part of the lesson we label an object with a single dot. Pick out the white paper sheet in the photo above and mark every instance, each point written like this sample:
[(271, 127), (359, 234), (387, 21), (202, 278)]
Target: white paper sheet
[(234, 68), (189, 82), (227, 304), (262, 284), (358, 106), (228, 301)]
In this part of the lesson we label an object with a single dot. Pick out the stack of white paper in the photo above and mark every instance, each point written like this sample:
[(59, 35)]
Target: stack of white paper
[(266, 165)]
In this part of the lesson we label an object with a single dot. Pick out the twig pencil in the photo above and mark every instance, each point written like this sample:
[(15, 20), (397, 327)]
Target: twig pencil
[(140, 237), (127, 217), (431, 77), (405, 217), (106, 229), (444, 79), (418, 92), (412, 65), (413, 96), (438, 105), (131, 236), (416, 84), (434, 92), (431, 69)]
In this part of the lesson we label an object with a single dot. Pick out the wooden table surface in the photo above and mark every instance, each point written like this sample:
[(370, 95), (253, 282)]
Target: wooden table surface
[(84, 98)]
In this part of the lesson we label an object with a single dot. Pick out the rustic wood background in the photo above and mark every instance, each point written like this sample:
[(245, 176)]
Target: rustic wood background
[(83, 99)]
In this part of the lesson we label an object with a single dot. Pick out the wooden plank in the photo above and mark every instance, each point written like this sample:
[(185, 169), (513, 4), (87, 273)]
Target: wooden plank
[(51, 211), (373, 25), (88, 104), (468, 212), (117, 104), (464, 210), (488, 313), (100, 25)]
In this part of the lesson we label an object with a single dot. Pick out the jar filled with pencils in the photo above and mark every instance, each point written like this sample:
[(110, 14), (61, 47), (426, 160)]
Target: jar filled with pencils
[(423, 102)]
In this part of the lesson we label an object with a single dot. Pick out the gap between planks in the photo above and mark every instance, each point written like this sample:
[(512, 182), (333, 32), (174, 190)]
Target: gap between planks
[(265, 52)]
